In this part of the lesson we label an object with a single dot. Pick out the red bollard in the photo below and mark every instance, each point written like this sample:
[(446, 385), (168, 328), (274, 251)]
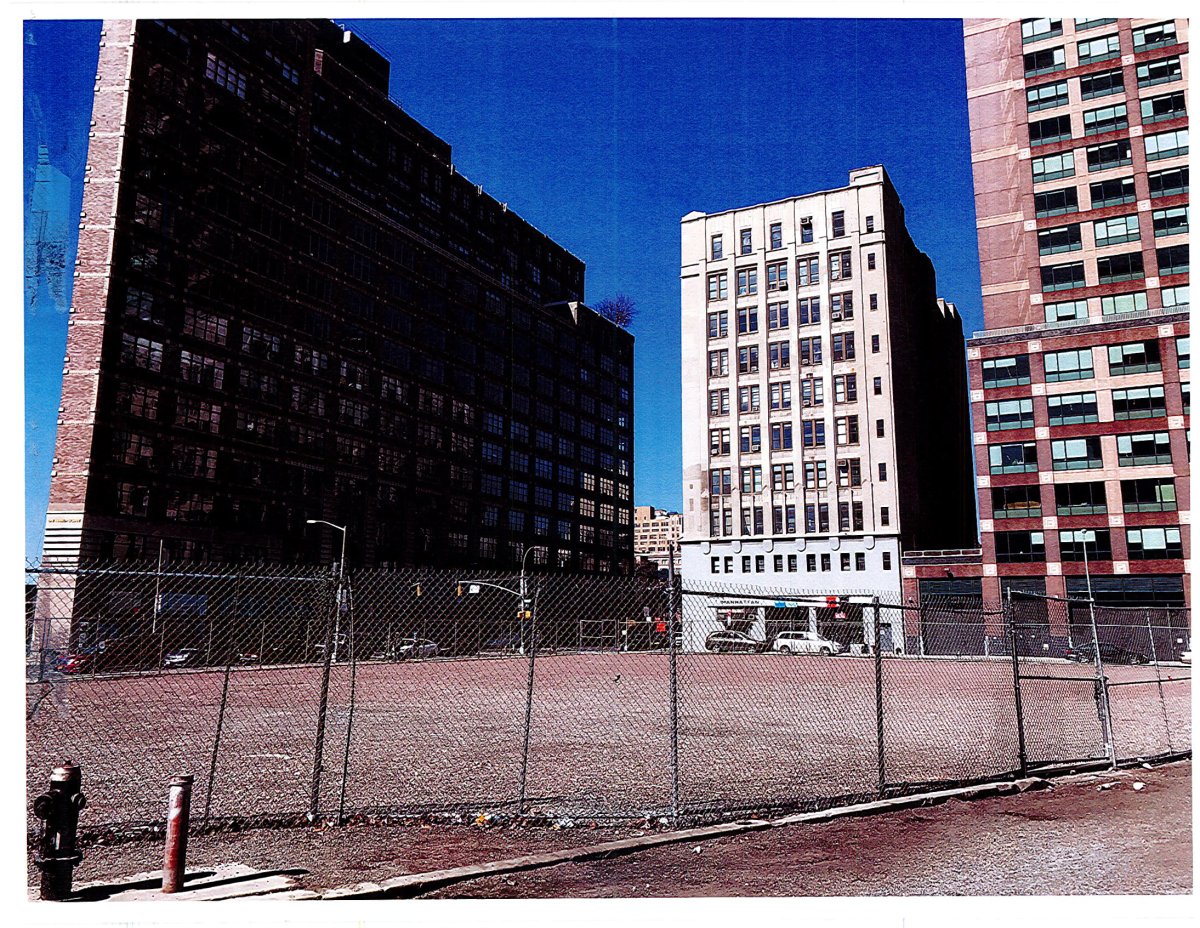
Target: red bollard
[(179, 803)]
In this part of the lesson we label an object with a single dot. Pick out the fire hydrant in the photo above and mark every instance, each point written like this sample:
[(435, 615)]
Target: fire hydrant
[(59, 809)]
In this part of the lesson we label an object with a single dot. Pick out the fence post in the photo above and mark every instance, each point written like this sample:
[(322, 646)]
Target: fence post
[(322, 709), (349, 594), (1110, 749), (212, 765), (1011, 621), (528, 698), (671, 623), (879, 700)]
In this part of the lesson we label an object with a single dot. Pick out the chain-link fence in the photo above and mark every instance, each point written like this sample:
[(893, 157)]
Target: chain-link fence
[(295, 693)]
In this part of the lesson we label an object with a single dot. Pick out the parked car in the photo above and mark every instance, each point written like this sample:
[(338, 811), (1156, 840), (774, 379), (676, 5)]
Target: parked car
[(182, 657), (415, 648), (1086, 651), (731, 641), (79, 662), (1185, 657), (805, 643)]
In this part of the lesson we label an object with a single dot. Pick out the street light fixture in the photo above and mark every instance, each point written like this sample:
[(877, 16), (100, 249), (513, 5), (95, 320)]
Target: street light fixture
[(337, 628)]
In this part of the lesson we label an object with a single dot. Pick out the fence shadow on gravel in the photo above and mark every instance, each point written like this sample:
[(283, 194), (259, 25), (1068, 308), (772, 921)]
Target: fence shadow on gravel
[(293, 695)]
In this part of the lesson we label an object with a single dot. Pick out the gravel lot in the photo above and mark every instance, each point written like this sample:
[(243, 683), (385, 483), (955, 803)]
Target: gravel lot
[(755, 731)]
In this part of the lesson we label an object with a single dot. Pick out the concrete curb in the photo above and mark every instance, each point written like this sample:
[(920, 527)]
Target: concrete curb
[(414, 884)]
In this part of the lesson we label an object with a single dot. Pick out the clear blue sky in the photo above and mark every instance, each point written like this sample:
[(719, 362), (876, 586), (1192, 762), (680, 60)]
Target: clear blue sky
[(603, 134)]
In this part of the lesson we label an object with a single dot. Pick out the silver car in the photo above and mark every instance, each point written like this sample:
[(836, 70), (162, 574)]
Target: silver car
[(415, 648), (805, 643)]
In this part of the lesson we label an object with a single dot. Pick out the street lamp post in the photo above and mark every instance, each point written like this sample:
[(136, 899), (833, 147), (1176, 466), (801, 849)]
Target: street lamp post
[(1105, 711), (337, 620), (520, 592)]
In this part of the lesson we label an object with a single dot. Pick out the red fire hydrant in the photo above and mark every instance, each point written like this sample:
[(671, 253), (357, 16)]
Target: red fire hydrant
[(59, 809)]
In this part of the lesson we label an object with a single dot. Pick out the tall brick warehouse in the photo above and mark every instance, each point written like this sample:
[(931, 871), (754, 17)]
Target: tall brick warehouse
[(289, 305)]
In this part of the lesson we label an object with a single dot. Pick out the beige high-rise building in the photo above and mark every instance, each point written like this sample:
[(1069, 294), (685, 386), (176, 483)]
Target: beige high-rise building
[(824, 395), (654, 530)]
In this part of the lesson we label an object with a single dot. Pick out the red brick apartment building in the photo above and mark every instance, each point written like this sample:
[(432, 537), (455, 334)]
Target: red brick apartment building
[(1080, 382)]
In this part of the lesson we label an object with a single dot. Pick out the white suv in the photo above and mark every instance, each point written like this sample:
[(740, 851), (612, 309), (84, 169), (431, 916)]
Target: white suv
[(804, 643)]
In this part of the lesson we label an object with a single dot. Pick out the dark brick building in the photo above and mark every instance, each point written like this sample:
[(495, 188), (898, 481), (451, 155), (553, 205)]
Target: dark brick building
[(289, 305)]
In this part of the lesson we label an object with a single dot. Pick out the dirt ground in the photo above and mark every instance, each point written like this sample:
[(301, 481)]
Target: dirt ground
[(1073, 839)]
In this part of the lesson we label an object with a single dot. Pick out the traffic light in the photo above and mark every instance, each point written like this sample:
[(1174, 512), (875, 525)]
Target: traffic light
[(831, 602), (458, 590), (417, 586)]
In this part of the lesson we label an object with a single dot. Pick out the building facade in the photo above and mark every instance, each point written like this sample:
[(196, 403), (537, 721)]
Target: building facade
[(655, 532), (1080, 381), (289, 305), (824, 396)]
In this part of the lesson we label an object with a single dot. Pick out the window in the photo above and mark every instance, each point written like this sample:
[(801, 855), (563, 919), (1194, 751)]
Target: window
[(812, 433), (223, 75), (750, 439), (870, 261), (747, 281), (1080, 499), (1063, 312), (1143, 449), (747, 320), (810, 351), (1054, 129), (808, 310), (1101, 49), (718, 286), (1146, 544), (1057, 241), (1115, 231), (1170, 221), (1173, 260), (1082, 24), (806, 229), (141, 352), (748, 360), (718, 402), (1046, 61), (718, 324), (1105, 119), (1053, 167), (1072, 408), (1102, 84), (1018, 547), (748, 398), (1155, 36), (841, 307), (718, 363), (845, 388), (1112, 155), (887, 560), (1122, 303), (1076, 453), (1046, 96), (1134, 358), (777, 316), (879, 428), (1062, 276), (1094, 544), (877, 386), (777, 276), (1160, 109), (1153, 495), (1175, 298), (718, 252), (1056, 202), (1163, 71), (812, 392), (1033, 30), (816, 475), (1139, 403), (720, 482), (1168, 183), (870, 223), (780, 395), (1183, 351), (718, 442), (1018, 458), (1116, 268), (882, 472), (1074, 364), (1166, 145), (781, 436), (779, 355), (875, 344), (1006, 372), (837, 224), (776, 235), (1111, 192), (747, 244), (1017, 502), (846, 429), (849, 472), (839, 265), (843, 346), (752, 479), (874, 300)]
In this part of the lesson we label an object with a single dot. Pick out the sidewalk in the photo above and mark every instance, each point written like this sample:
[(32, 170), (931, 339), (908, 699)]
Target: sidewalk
[(1073, 839)]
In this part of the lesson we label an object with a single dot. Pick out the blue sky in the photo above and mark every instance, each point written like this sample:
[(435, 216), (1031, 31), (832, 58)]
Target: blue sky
[(603, 134)]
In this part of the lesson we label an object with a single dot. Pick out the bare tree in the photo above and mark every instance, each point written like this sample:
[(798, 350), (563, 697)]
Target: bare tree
[(619, 309)]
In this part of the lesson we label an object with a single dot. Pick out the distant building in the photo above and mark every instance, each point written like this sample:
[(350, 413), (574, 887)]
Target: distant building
[(653, 531), (825, 424), (290, 305), (1080, 380)]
